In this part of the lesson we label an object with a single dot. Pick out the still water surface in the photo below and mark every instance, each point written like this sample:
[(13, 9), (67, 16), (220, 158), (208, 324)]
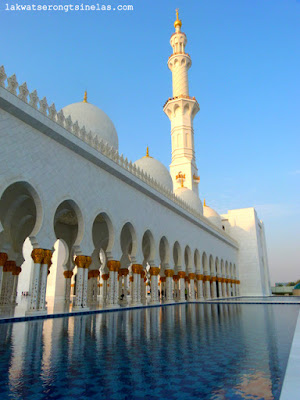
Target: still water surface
[(194, 351)]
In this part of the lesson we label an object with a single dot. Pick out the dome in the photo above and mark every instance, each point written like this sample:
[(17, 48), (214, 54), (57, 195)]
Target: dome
[(190, 198), (156, 170), (94, 120), (212, 215)]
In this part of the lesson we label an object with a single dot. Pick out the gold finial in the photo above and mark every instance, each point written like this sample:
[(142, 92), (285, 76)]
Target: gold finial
[(204, 203), (177, 22), (85, 97), (147, 152)]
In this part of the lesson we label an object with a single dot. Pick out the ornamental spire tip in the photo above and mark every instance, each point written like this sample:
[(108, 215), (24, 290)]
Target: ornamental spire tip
[(85, 97), (177, 23)]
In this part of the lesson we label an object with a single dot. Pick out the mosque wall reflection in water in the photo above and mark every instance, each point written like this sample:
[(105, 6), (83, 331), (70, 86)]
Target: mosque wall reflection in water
[(207, 351)]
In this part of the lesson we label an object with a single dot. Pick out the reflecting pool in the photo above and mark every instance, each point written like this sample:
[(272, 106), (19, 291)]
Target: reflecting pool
[(193, 351)]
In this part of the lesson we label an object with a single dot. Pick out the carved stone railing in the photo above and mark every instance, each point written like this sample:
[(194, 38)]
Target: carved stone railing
[(92, 140)]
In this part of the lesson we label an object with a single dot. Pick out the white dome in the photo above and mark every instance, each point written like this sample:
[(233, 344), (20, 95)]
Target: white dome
[(190, 198), (212, 215), (156, 170), (94, 120)]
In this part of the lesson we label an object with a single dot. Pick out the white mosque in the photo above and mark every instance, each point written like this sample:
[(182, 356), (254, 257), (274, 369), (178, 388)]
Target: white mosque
[(81, 224)]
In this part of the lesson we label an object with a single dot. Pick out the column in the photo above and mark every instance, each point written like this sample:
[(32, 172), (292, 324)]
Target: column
[(224, 287), (143, 288), (162, 288), (116, 287), (105, 278), (192, 286), (219, 286), (238, 287), (7, 283), (199, 278), (68, 275), (88, 261), (43, 279), (3, 259), (80, 262), (206, 280), (136, 284), (181, 277), (123, 272), (176, 290), (227, 287), (213, 280), (187, 288), (113, 267), (154, 271), (37, 256), (169, 285), (16, 272)]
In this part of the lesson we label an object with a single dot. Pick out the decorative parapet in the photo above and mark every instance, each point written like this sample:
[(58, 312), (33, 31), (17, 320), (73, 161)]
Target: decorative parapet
[(93, 141)]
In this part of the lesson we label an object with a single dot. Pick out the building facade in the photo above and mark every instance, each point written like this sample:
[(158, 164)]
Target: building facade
[(78, 219)]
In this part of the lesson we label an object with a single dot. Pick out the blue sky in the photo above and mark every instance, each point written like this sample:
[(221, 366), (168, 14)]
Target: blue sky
[(245, 76)]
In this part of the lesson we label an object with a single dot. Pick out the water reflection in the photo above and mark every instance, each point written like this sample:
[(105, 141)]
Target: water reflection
[(207, 351)]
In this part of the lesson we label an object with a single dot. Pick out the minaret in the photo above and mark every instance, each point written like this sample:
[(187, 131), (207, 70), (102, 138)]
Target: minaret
[(181, 109)]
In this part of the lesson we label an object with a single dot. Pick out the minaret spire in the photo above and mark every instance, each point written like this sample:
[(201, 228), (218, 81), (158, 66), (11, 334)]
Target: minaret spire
[(181, 109), (85, 97)]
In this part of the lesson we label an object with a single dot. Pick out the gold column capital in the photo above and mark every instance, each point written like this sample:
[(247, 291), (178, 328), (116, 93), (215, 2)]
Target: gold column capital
[(9, 266), (105, 277), (181, 274), (154, 271), (47, 257), (192, 276), (169, 273), (16, 271), (37, 255), (80, 261), (68, 274), (3, 259), (199, 277), (136, 268), (113, 265), (88, 261)]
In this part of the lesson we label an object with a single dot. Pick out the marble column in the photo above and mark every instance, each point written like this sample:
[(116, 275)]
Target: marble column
[(206, 280), (43, 280), (105, 278), (219, 283), (80, 262), (154, 271), (213, 280), (227, 287), (37, 256), (136, 284), (199, 278), (7, 283), (162, 288), (224, 287), (143, 288), (16, 272), (88, 261), (181, 277), (113, 298), (192, 286), (3, 259), (176, 289), (169, 285), (68, 275)]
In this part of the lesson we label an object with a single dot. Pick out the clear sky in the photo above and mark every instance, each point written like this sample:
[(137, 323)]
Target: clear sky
[(245, 76)]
